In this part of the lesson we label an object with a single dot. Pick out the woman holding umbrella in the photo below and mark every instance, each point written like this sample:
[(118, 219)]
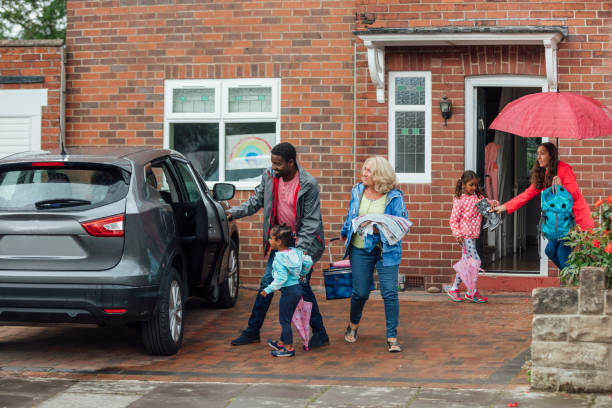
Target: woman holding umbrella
[(549, 171)]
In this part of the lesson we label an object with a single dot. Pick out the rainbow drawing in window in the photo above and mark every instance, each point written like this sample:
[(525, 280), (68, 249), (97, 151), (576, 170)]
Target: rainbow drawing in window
[(249, 151)]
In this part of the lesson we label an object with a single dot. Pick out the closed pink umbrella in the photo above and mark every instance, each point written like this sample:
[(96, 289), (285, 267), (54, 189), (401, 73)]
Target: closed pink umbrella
[(564, 115), (301, 320), (467, 268)]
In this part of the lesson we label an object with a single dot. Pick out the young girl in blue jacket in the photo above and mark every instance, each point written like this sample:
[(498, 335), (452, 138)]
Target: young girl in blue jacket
[(289, 266), (376, 194)]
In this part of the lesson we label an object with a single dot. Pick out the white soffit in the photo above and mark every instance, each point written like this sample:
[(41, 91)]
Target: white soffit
[(375, 40)]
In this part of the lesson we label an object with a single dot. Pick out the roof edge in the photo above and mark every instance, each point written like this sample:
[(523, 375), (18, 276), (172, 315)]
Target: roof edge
[(466, 30), (31, 43)]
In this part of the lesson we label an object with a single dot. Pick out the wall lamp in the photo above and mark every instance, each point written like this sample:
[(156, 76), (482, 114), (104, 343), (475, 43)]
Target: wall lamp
[(446, 108)]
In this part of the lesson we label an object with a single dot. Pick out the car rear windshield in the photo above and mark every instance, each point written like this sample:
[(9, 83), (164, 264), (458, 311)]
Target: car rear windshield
[(67, 186)]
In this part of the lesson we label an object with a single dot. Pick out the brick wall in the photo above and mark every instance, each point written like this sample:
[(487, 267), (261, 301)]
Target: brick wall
[(37, 58), (430, 249), (119, 52)]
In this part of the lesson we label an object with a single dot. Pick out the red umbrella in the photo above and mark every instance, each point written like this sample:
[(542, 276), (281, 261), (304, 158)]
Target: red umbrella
[(563, 115)]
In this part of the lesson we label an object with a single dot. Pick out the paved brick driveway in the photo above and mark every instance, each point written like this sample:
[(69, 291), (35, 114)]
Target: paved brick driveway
[(445, 344)]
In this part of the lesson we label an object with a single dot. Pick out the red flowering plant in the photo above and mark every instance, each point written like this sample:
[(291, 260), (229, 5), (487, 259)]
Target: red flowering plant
[(591, 248)]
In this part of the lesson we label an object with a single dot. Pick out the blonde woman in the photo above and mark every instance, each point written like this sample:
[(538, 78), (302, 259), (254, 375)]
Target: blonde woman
[(376, 194)]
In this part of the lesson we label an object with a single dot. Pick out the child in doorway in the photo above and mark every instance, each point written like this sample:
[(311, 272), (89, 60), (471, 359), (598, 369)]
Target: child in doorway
[(465, 223), (289, 265)]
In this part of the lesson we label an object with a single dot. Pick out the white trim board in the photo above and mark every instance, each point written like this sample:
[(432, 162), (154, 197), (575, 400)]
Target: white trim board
[(22, 102), (376, 43)]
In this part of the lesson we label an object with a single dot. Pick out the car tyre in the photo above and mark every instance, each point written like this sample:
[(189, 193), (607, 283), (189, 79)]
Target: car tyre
[(163, 334), (228, 290)]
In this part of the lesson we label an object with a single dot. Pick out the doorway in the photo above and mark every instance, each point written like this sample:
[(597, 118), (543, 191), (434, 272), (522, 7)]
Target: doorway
[(513, 248)]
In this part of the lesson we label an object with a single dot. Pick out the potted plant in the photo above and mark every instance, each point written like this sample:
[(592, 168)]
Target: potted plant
[(591, 248)]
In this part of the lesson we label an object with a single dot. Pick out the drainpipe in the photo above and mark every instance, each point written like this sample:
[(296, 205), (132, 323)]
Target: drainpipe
[(62, 118), (354, 112)]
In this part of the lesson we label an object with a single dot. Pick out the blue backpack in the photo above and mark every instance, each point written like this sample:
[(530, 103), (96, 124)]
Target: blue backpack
[(557, 217)]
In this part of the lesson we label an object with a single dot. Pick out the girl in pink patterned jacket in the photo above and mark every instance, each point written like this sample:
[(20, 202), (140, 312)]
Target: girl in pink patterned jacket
[(465, 223)]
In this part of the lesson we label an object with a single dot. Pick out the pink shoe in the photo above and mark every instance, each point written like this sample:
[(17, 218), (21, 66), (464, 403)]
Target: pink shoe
[(454, 295), (476, 298)]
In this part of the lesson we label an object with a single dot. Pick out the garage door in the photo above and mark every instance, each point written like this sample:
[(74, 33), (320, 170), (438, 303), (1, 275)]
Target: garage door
[(20, 119), (16, 134)]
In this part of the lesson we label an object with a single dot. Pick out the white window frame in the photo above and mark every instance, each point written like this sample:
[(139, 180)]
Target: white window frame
[(221, 115), (251, 83), (171, 85), (414, 178)]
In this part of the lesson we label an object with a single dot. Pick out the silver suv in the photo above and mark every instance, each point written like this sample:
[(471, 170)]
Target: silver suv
[(113, 236)]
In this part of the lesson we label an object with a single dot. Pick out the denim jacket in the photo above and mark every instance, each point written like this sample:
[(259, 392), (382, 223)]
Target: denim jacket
[(394, 205)]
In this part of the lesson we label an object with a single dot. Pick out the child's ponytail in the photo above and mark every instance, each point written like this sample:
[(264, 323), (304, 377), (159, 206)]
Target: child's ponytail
[(459, 188), (283, 233)]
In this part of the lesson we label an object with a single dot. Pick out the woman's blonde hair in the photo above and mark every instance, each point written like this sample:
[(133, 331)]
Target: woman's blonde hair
[(383, 175)]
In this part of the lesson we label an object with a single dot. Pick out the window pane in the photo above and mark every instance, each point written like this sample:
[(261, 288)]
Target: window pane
[(190, 183), (158, 177), (420, 163), (258, 99), (410, 142), (200, 100), (410, 91), (247, 150), (531, 151), (34, 189), (199, 142)]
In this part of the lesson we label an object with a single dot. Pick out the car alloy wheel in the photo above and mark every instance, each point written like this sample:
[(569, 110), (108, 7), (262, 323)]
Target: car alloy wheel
[(232, 278), (231, 283), (175, 311), (163, 333)]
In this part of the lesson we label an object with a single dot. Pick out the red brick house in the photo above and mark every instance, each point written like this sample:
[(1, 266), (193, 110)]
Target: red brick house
[(343, 80)]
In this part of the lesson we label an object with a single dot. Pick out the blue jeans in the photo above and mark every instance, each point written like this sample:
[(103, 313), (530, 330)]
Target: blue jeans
[(290, 297), (261, 305), (362, 265), (558, 252)]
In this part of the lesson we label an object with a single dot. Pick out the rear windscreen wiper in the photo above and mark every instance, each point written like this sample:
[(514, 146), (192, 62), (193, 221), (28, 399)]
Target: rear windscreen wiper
[(60, 202)]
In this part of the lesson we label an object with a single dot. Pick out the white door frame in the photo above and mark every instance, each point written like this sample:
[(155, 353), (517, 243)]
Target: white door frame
[(504, 81)]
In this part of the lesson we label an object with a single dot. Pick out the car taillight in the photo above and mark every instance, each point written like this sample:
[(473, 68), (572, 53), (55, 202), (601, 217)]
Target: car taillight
[(115, 311), (48, 164), (105, 227)]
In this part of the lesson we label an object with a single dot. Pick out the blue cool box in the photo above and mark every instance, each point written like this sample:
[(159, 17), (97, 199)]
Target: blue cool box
[(339, 283)]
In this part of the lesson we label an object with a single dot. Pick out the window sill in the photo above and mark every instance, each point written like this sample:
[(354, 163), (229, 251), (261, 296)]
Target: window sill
[(413, 179)]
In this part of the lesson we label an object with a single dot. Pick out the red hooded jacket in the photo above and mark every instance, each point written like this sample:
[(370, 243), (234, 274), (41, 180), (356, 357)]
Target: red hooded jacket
[(581, 210)]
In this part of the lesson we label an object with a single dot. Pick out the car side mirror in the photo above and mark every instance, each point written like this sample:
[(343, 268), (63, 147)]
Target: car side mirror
[(223, 191)]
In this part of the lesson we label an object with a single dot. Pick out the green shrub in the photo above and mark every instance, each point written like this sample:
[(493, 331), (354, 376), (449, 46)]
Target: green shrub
[(591, 248)]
